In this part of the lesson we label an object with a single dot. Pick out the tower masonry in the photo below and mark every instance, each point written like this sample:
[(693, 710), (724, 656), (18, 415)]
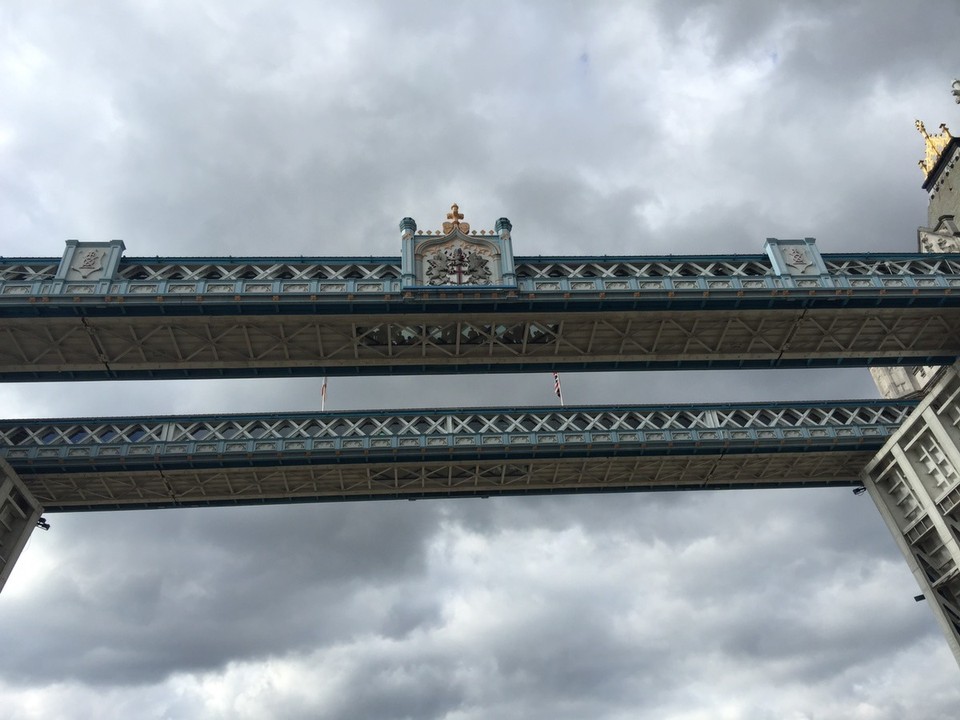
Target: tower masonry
[(915, 479), (940, 235)]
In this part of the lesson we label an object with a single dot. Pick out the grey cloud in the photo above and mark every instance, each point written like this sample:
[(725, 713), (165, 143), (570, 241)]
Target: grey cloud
[(201, 588)]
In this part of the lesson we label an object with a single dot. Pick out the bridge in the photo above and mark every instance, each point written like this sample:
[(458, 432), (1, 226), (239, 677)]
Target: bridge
[(115, 463), (247, 317), (457, 301)]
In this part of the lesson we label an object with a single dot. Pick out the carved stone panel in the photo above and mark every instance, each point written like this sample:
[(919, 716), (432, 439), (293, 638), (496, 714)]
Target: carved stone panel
[(944, 237), (456, 256), (795, 257), (87, 264), (90, 261), (937, 243), (458, 263)]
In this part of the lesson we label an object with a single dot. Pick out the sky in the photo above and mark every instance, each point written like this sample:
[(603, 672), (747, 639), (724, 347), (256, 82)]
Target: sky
[(310, 128)]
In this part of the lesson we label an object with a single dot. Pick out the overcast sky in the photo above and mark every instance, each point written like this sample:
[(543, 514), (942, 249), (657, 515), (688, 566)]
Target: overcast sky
[(311, 128)]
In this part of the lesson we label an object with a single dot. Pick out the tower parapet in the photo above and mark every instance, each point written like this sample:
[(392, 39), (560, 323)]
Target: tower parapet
[(457, 257), (942, 152)]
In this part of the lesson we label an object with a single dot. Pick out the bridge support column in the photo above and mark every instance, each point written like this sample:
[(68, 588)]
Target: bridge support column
[(915, 482), (19, 513)]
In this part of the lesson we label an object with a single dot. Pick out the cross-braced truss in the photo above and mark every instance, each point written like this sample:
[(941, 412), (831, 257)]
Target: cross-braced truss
[(306, 483), (229, 345), (88, 463), (217, 317), (385, 268)]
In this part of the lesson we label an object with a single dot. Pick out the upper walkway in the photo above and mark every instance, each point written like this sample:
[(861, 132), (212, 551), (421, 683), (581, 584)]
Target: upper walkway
[(459, 301), (187, 318)]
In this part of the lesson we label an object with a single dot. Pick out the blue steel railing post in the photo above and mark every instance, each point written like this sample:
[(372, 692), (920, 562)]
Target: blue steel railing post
[(408, 260)]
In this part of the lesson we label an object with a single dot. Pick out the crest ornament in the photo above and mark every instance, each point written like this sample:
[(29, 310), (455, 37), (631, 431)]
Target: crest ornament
[(454, 218), (91, 261), (454, 266), (796, 257), (457, 256)]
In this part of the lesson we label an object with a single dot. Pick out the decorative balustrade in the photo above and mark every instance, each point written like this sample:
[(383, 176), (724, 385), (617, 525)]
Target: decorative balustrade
[(292, 278)]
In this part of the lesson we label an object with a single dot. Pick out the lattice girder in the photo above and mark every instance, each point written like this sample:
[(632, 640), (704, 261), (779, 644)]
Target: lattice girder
[(728, 422), (118, 347), (544, 268), (180, 488), (110, 462)]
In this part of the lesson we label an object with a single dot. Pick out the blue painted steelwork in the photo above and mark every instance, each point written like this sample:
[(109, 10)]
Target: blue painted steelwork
[(177, 442), (123, 463), (249, 317), (195, 286)]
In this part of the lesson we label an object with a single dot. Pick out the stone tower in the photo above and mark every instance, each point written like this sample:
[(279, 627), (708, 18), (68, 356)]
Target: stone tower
[(941, 235), (915, 479)]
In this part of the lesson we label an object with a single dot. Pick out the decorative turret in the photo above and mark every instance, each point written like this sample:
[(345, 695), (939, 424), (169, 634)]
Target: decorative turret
[(942, 152), (935, 145)]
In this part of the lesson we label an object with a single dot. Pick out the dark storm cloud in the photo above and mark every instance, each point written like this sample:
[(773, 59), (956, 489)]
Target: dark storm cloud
[(199, 589), (209, 142), (581, 639), (247, 149)]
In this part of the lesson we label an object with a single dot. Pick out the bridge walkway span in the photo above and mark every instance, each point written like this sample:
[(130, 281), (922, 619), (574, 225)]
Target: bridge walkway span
[(113, 463)]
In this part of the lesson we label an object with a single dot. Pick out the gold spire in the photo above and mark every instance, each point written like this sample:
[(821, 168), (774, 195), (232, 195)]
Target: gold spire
[(935, 145), (454, 218)]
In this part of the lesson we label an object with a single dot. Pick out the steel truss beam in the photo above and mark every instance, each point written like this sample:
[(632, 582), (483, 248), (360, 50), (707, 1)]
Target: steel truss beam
[(413, 480), (144, 462), (20, 272), (231, 346), (219, 317)]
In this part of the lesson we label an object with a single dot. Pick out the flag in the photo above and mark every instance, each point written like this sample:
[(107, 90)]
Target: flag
[(323, 394), (556, 386)]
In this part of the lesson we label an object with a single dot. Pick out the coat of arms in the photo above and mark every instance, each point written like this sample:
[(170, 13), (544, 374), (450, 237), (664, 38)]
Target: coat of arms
[(453, 266)]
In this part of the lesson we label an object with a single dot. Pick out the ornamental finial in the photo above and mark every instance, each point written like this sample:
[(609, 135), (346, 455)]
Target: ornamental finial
[(454, 218), (934, 145)]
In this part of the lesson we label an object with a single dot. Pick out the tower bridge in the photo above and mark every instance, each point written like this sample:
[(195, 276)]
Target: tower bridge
[(113, 463), (457, 300)]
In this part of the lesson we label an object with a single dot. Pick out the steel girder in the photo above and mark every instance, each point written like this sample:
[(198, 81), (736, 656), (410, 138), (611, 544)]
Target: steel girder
[(318, 483), (223, 345), (19, 272), (144, 462)]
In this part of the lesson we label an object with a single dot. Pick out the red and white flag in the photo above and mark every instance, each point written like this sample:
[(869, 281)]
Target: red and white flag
[(323, 394), (556, 387)]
